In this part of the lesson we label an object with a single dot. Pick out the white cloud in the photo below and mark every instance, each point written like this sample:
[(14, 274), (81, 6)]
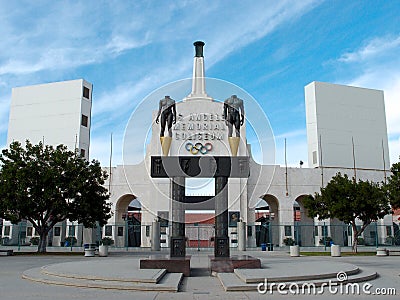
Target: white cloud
[(255, 21), (65, 36), (372, 49), (119, 44), (291, 134)]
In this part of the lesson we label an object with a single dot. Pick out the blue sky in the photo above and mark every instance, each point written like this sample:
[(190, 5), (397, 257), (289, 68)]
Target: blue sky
[(271, 49)]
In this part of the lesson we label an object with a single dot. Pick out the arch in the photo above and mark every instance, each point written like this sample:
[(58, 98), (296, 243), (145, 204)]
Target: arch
[(268, 215), (304, 225), (128, 222), (121, 207)]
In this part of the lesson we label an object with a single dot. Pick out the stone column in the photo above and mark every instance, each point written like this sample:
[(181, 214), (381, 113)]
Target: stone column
[(241, 231), (155, 236), (221, 244), (177, 240)]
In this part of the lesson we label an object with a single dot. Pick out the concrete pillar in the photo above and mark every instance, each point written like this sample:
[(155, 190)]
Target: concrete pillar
[(241, 231), (89, 235), (285, 217), (178, 242), (221, 244), (155, 236)]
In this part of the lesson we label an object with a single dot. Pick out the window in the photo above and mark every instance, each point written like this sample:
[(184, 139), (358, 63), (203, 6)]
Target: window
[(71, 230), (57, 231), (314, 157), (108, 230), (316, 231), (85, 120), (83, 152), (372, 234), (120, 231), (7, 230), (147, 230), (29, 231), (86, 92), (388, 230), (288, 230)]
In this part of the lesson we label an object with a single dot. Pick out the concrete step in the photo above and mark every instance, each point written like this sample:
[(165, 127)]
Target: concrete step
[(140, 276), (285, 272), (168, 283), (231, 282)]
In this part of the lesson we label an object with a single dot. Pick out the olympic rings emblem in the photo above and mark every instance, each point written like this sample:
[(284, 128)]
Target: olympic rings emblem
[(198, 147)]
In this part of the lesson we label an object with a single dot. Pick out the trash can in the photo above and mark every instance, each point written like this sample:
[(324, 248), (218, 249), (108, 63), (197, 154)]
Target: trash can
[(270, 247), (89, 250), (263, 247)]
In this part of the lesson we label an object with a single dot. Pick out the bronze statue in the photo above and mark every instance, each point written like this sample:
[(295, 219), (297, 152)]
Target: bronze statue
[(234, 114), (167, 110)]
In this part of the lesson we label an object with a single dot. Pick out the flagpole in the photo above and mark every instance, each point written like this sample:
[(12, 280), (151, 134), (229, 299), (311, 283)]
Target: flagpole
[(384, 162), (111, 153), (286, 172), (320, 161), (354, 160)]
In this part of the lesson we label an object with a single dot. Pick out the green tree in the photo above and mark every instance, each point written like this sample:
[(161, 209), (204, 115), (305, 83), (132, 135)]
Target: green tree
[(47, 185), (393, 186), (348, 201)]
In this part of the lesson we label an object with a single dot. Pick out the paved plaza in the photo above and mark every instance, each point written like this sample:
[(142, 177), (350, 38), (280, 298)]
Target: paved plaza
[(200, 285)]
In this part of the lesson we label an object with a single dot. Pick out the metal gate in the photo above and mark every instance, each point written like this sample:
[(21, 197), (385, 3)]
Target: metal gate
[(200, 235)]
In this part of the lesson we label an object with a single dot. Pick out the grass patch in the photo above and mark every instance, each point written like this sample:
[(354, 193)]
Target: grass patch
[(48, 253), (370, 253)]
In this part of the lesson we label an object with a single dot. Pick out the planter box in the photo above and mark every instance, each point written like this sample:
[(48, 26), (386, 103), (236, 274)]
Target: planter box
[(295, 251), (103, 250), (336, 251)]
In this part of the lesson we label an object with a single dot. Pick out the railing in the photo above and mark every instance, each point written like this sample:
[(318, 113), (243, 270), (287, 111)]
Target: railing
[(128, 235)]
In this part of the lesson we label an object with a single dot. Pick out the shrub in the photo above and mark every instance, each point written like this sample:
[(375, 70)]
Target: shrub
[(289, 241), (34, 240), (327, 241), (360, 241), (390, 240), (107, 241)]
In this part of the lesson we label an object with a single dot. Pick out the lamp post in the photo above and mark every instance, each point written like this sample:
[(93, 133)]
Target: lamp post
[(271, 218)]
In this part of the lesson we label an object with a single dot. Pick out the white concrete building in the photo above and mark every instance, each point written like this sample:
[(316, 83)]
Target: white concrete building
[(53, 113), (341, 119)]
